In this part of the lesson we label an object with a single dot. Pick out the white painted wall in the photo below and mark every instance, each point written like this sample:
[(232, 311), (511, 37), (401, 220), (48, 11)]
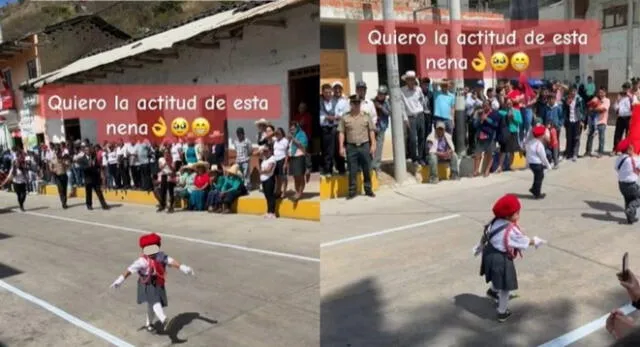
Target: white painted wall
[(361, 66), (263, 56)]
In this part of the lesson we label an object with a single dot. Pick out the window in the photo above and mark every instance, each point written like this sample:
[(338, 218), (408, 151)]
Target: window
[(32, 69), (615, 16), (6, 75), (332, 36)]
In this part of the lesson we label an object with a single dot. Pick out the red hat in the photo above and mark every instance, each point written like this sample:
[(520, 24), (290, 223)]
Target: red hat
[(506, 206), (150, 243), (538, 131), (623, 145)]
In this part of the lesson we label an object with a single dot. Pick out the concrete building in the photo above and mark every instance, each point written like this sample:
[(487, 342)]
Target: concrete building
[(267, 43), (38, 53)]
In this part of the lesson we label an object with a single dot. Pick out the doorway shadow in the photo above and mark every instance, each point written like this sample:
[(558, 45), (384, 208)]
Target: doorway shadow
[(180, 321)]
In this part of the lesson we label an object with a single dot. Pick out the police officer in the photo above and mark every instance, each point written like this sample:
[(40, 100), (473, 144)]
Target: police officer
[(357, 133)]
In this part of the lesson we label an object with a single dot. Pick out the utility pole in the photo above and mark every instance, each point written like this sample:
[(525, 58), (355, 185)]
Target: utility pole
[(393, 79), (630, 39), (566, 66), (459, 118)]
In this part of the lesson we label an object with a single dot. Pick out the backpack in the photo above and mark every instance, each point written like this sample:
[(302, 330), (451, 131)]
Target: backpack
[(488, 235)]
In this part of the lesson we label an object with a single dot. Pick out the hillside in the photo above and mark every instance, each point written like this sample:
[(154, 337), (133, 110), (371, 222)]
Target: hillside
[(134, 18)]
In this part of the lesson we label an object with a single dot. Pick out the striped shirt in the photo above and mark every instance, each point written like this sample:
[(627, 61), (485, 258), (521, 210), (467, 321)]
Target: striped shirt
[(244, 150)]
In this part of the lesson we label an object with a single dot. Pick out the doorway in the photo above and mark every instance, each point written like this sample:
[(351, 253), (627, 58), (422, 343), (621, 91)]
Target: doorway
[(601, 78), (72, 129), (304, 86)]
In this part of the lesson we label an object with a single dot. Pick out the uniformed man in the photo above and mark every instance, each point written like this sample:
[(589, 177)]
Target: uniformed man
[(357, 133)]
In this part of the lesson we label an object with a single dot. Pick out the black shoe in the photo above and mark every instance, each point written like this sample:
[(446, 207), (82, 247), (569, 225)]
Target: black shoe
[(541, 196), (160, 209), (351, 196), (370, 194), (90, 208), (64, 206), (22, 208), (502, 317), (106, 207)]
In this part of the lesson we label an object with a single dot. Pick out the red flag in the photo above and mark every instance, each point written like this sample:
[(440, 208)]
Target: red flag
[(634, 128)]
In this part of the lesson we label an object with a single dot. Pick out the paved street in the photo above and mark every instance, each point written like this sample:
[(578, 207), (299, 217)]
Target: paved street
[(415, 282), (256, 282)]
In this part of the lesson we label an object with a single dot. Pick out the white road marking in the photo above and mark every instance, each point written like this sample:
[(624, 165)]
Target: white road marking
[(64, 315), (178, 237), (388, 231), (585, 330)]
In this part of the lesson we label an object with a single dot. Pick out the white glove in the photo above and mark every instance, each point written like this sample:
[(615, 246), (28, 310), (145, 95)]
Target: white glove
[(537, 242), (118, 282), (186, 270)]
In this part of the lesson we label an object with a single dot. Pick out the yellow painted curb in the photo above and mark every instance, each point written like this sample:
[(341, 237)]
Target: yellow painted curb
[(338, 186), (519, 162), (444, 172), (303, 209)]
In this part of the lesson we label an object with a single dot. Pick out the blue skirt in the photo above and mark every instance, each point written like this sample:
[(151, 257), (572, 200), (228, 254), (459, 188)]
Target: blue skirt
[(197, 200)]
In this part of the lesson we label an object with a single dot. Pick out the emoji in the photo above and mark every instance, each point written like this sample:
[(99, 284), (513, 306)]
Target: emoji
[(179, 127), (159, 129), (520, 61), (200, 126), (499, 61), (479, 63)]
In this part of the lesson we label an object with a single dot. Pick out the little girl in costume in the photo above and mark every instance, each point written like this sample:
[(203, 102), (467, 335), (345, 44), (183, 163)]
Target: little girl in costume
[(151, 267), (501, 243)]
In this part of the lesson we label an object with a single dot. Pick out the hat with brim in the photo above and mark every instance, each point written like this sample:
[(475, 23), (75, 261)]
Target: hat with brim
[(411, 75), (233, 170), (440, 125), (202, 164)]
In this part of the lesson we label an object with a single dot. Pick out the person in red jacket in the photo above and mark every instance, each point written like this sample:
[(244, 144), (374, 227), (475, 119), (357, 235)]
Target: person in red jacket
[(151, 269)]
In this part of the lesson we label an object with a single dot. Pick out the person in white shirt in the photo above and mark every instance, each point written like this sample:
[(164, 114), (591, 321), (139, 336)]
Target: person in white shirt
[(536, 156), (176, 155), (112, 163), (19, 176), (151, 268), (134, 163), (627, 167), (622, 106), (280, 150), (267, 177)]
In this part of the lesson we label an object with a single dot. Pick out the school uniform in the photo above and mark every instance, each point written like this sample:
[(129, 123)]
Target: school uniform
[(151, 269), (536, 157), (627, 169), (502, 242)]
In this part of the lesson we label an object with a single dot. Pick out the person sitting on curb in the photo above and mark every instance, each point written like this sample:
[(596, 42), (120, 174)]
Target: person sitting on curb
[(232, 189), (440, 146)]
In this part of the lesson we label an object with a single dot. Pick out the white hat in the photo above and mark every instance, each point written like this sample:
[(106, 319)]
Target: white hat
[(337, 84), (262, 121), (409, 74)]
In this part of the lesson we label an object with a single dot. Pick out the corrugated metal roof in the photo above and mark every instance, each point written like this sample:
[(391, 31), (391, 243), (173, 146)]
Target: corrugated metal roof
[(162, 40)]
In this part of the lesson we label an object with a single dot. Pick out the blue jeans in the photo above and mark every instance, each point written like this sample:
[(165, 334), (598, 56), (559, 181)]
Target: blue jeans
[(527, 120), (246, 174), (600, 128)]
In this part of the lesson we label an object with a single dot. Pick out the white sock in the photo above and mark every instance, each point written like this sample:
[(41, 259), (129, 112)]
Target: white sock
[(157, 308), (149, 315), (503, 301)]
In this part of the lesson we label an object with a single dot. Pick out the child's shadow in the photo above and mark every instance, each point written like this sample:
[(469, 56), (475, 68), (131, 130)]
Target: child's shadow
[(182, 320)]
